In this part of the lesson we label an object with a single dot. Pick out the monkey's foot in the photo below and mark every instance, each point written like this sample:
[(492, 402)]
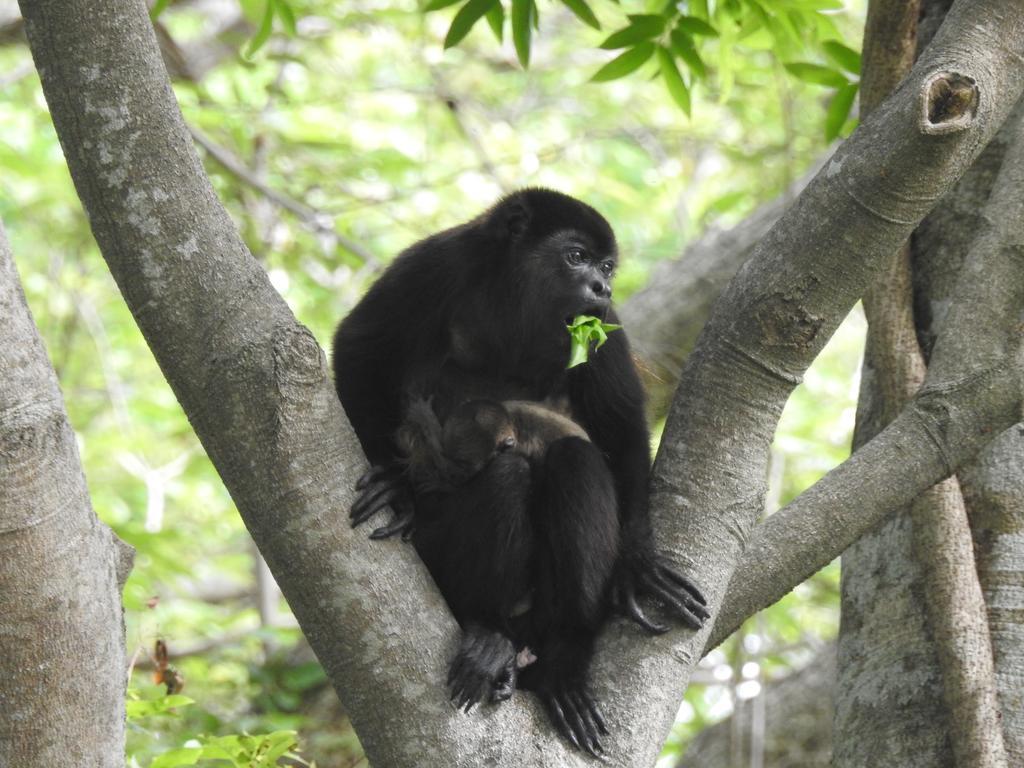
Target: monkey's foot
[(651, 574), (576, 715), (484, 668)]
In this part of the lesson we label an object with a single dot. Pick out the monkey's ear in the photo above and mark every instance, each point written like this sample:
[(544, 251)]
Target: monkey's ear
[(518, 220), (510, 219)]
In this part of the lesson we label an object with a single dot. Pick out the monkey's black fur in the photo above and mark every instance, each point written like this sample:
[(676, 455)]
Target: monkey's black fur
[(478, 312)]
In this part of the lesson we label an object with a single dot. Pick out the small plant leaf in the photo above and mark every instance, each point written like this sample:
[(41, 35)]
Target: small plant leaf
[(683, 47), (641, 28), (816, 73), (263, 33), (158, 7), (695, 26), (287, 16), (624, 63), (583, 12), (468, 15), (842, 55), (522, 11), (586, 330), (673, 80), (496, 18), (839, 110)]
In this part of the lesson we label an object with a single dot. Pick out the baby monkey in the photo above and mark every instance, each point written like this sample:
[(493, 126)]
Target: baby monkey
[(441, 458)]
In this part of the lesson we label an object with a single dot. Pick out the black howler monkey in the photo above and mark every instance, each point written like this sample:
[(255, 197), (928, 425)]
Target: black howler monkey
[(479, 312)]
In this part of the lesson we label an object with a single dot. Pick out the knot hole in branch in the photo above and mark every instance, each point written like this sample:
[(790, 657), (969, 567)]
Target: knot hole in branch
[(298, 358), (950, 102)]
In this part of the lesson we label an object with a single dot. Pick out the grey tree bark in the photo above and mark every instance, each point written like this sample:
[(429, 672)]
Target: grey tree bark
[(793, 291), (62, 654), (971, 393), (255, 387), (943, 639)]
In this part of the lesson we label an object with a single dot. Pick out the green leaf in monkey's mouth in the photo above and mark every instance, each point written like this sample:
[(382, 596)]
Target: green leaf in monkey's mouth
[(585, 329)]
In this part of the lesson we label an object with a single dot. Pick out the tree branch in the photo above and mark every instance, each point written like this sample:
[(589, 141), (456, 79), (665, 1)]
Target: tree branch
[(61, 569), (971, 393), (256, 388), (804, 276), (894, 368), (318, 220)]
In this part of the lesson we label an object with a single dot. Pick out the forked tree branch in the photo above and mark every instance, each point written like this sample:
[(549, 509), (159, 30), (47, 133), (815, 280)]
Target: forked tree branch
[(805, 275), (972, 392)]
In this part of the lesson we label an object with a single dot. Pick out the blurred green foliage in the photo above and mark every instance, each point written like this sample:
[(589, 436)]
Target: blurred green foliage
[(369, 134)]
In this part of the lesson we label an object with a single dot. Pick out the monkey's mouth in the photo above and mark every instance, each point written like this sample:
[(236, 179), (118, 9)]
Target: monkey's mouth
[(600, 311)]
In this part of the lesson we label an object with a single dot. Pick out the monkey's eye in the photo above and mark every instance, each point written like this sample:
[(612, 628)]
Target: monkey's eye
[(607, 268), (575, 256)]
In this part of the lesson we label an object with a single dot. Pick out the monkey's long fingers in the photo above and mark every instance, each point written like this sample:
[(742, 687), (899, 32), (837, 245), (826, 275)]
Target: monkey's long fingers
[(472, 691), (403, 522), (595, 712), (558, 716), (503, 687), (595, 723), (370, 475), (634, 611), (666, 595), (668, 571), (682, 594), (372, 501), (586, 732)]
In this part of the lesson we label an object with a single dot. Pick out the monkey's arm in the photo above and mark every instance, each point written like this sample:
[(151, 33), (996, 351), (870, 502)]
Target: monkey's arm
[(608, 398)]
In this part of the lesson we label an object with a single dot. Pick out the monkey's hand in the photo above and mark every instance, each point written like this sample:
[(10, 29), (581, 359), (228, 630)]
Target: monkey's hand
[(385, 488), (484, 669), (644, 572)]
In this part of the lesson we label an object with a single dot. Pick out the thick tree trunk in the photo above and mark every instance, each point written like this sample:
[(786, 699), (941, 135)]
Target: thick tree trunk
[(62, 657)]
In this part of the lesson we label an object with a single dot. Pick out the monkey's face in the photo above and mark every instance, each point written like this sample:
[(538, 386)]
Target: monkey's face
[(570, 273)]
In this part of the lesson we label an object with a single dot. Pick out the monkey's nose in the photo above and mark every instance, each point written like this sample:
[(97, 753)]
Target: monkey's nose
[(507, 444)]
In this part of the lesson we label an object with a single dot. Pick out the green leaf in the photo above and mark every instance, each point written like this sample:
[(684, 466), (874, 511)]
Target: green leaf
[(640, 28), (842, 55), (696, 26), (624, 63), (138, 708), (263, 33), (583, 12), (683, 47), (839, 110), (158, 7), (673, 80), (287, 16), (173, 758), (586, 330), (464, 20), (436, 5), (522, 11), (496, 18), (816, 73)]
